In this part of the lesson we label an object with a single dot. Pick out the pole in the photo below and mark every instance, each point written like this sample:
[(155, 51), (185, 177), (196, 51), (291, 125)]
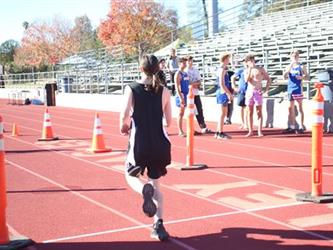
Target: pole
[(316, 195), (317, 142), (190, 110)]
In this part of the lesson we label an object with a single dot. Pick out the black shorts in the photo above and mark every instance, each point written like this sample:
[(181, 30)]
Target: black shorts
[(241, 99), (153, 172)]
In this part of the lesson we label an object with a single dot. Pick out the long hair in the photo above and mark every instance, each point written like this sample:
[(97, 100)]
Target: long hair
[(150, 66)]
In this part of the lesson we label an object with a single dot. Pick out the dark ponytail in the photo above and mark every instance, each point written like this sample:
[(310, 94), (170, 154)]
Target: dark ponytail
[(150, 67)]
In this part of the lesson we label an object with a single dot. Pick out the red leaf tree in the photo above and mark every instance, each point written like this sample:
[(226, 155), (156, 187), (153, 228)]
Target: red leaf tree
[(46, 44), (138, 25)]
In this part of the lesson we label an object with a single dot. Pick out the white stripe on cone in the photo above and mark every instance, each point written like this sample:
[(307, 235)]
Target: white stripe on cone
[(47, 124), (317, 105), (190, 101), (97, 123), (2, 145), (316, 119), (98, 131), (1, 128)]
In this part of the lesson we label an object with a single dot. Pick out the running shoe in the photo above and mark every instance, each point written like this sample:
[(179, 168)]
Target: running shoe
[(148, 207), (159, 231)]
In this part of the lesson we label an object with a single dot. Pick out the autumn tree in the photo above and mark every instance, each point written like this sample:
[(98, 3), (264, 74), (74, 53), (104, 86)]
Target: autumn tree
[(46, 44), (138, 25)]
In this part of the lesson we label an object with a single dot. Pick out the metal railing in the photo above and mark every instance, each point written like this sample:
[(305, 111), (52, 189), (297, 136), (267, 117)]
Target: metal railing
[(105, 71)]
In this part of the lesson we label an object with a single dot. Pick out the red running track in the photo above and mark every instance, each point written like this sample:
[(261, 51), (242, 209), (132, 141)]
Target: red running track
[(63, 197)]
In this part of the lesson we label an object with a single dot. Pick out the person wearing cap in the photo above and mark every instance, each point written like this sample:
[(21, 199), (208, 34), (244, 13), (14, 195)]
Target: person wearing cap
[(195, 81), (254, 76), (182, 89), (223, 94), (241, 91), (172, 65)]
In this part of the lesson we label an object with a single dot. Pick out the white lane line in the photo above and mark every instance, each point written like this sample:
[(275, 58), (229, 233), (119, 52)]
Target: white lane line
[(207, 199), (268, 163), (190, 219), (202, 138), (101, 205)]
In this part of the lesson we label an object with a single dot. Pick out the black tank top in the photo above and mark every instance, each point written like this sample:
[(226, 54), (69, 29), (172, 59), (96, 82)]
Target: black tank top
[(151, 145)]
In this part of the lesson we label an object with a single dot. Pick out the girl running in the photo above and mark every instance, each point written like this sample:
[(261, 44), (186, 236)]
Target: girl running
[(149, 147)]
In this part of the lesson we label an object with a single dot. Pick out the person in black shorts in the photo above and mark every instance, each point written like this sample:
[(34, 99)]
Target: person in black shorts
[(147, 102), (241, 90)]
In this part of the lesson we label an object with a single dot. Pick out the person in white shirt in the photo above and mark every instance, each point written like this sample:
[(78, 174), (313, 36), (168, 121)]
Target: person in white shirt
[(195, 81), (173, 67)]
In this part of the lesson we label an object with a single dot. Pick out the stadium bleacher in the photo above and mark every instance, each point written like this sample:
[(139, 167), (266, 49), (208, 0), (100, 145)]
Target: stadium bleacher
[(270, 37)]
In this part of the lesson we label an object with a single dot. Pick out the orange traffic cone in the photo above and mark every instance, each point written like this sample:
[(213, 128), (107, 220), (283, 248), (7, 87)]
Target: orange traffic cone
[(4, 236), (15, 130), (5, 241), (47, 133), (317, 194), (190, 134), (98, 144)]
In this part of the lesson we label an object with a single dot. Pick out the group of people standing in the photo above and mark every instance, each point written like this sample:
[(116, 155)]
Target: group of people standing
[(250, 91), (147, 104)]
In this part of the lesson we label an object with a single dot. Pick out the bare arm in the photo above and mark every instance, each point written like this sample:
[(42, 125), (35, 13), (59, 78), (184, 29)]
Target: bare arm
[(167, 106), (233, 82), (305, 74), (177, 81), (267, 78), (125, 113), (222, 82), (287, 71), (248, 74)]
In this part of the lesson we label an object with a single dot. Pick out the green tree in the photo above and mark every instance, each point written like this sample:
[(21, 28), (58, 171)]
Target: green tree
[(7, 51), (83, 33)]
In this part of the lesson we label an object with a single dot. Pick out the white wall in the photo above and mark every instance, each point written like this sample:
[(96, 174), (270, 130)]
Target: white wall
[(211, 109)]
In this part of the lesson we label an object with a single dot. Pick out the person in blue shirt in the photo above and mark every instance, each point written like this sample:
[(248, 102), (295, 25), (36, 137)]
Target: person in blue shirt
[(182, 81), (223, 94), (241, 90), (295, 72)]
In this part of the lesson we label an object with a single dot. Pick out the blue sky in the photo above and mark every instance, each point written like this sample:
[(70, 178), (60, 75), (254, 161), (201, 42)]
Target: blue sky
[(14, 12)]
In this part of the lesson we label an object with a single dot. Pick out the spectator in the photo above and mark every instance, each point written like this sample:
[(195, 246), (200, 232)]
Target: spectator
[(172, 66), (295, 73), (195, 81), (254, 76)]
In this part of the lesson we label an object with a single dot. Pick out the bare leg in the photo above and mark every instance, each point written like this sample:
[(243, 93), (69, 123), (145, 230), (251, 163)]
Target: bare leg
[(242, 118), (250, 120), (300, 107), (292, 114), (259, 115), (224, 111), (180, 121)]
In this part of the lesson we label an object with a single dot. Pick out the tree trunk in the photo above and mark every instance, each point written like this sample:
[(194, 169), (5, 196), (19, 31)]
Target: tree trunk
[(206, 17)]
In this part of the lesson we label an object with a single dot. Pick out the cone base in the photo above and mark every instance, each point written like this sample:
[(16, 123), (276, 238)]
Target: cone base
[(19, 243), (105, 150), (308, 197), (48, 139), (194, 167)]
